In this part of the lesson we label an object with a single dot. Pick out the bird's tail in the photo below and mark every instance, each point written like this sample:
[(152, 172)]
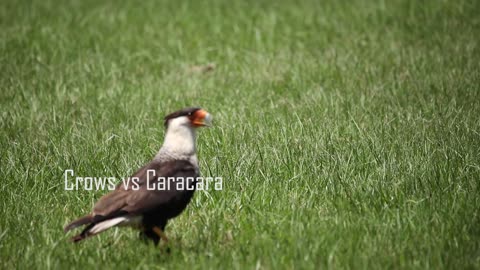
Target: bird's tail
[(94, 228), (78, 222)]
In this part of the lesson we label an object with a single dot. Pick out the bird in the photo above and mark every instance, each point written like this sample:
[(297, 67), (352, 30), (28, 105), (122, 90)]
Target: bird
[(139, 205)]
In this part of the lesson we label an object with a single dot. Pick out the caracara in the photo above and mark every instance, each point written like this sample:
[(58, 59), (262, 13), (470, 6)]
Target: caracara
[(141, 206)]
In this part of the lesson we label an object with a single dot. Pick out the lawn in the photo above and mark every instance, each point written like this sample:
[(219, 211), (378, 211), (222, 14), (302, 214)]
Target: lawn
[(347, 133)]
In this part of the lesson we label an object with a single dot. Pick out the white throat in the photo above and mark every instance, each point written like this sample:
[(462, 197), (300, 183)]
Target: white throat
[(179, 141)]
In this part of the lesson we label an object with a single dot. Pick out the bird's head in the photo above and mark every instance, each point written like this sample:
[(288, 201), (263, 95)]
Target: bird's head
[(190, 117)]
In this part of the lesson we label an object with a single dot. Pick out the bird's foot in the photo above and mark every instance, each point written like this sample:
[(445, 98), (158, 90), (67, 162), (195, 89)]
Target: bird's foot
[(160, 234)]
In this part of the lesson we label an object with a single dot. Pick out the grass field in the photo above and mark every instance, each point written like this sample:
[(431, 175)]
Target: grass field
[(347, 132)]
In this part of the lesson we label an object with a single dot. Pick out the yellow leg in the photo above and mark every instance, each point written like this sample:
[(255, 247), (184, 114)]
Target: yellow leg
[(160, 233)]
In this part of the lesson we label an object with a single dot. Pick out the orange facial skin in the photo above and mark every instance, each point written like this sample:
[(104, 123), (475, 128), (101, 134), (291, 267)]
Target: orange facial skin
[(198, 118)]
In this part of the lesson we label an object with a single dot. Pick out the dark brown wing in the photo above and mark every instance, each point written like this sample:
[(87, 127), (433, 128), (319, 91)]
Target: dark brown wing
[(126, 200)]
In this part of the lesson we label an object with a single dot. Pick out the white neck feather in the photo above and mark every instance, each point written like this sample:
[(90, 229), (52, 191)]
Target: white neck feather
[(179, 141)]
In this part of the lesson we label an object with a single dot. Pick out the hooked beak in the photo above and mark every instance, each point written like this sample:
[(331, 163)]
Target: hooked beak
[(202, 118)]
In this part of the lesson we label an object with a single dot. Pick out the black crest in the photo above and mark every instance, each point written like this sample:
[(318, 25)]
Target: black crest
[(183, 112)]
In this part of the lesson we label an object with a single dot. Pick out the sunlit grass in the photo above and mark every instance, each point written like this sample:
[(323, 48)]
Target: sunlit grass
[(346, 133)]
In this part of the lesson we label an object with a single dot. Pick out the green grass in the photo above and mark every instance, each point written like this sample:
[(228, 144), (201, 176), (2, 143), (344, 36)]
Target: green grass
[(347, 133)]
